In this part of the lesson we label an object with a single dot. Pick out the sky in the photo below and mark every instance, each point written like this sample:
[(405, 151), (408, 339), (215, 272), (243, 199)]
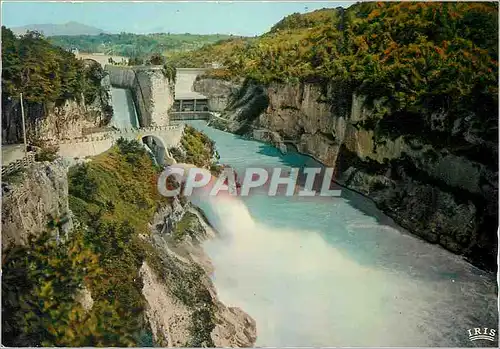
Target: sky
[(222, 17)]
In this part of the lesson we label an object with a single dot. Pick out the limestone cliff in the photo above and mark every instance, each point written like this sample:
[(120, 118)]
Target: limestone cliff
[(183, 309), (442, 185), (217, 91), (29, 197)]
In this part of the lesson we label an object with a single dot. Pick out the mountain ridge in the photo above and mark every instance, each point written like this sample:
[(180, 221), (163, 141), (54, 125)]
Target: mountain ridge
[(70, 28)]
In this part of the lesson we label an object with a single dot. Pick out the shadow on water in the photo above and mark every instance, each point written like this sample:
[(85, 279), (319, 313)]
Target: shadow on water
[(362, 255), (373, 245)]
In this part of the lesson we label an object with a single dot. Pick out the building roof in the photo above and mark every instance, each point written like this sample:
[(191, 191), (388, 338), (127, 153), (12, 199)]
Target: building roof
[(189, 95)]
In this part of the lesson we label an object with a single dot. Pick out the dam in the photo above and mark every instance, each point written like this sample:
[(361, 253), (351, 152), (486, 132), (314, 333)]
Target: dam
[(151, 91), (157, 99)]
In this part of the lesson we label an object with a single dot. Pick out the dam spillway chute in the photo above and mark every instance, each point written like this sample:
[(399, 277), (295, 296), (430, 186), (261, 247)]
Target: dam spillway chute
[(124, 111)]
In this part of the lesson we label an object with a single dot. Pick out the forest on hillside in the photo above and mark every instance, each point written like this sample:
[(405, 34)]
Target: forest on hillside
[(415, 58), (135, 45), (44, 72)]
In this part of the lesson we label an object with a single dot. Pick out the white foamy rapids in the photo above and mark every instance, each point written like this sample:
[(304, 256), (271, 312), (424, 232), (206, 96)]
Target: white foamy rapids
[(270, 273), (326, 273)]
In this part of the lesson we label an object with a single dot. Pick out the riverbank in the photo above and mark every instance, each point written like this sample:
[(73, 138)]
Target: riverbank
[(199, 319), (113, 264), (275, 254), (437, 191)]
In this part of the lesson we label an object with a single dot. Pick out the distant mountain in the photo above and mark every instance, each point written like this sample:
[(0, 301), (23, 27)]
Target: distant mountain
[(70, 28)]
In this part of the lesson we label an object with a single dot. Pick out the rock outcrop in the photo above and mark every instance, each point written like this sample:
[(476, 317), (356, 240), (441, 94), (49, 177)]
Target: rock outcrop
[(441, 190), (185, 294), (217, 91)]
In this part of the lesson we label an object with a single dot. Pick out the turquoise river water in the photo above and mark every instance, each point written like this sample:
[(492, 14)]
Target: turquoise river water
[(335, 271)]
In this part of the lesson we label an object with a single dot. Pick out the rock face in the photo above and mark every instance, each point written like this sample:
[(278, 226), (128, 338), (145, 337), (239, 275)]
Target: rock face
[(217, 91), (444, 193), (152, 91), (55, 122), (29, 198), (182, 308), (175, 302)]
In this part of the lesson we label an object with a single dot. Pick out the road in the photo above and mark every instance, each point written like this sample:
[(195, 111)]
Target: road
[(11, 153)]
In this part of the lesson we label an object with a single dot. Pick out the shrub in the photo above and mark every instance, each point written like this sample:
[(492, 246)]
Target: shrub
[(198, 147), (177, 154), (81, 184), (39, 285), (132, 149), (216, 169), (47, 153)]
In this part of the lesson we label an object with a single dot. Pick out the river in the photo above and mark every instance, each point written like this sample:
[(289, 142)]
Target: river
[(336, 271)]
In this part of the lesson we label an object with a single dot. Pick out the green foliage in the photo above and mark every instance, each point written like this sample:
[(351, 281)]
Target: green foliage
[(131, 149), (219, 52), (411, 59), (15, 176), (135, 45), (123, 201), (81, 184), (47, 153), (39, 306), (185, 227), (135, 61), (177, 154), (169, 71), (156, 59), (199, 147), (305, 21), (43, 72), (216, 169), (219, 73), (126, 146), (203, 322)]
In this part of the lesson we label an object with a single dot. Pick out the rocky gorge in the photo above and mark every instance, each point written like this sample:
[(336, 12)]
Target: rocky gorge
[(441, 184), (171, 299)]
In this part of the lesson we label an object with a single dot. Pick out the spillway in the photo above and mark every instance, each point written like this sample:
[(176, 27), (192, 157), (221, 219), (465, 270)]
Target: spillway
[(124, 112)]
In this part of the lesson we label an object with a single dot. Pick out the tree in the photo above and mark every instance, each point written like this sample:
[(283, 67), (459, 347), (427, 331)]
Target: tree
[(135, 61), (156, 59)]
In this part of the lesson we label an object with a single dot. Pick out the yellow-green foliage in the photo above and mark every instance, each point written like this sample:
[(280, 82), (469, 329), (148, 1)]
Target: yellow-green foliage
[(114, 197), (207, 54), (125, 201), (184, 226), (126, 188), (44, 72), (199, 148), (39, 285), (415, 57), (47, 153)]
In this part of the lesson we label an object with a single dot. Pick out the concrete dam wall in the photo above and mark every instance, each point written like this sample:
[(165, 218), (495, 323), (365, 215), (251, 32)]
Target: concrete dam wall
[(152, 91), (185, 78)]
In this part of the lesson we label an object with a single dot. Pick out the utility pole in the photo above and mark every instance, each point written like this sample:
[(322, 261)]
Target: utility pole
[(24, 125)]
